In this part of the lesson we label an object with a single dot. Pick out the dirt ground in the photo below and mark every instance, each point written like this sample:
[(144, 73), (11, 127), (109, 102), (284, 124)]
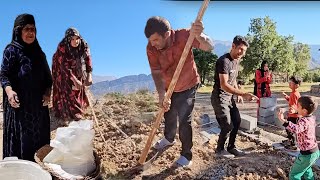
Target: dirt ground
[(134, 115)]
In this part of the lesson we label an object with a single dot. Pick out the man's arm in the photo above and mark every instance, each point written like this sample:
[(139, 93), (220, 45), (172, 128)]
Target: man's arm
[(159, 82), (205, 41), (227, 87)]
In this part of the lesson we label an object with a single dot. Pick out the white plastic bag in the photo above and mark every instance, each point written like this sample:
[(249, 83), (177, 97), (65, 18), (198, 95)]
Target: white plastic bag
[(73, 148)]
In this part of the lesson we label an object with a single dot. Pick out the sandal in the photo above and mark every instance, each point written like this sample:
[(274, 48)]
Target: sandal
[(182, 162), (163, 143)]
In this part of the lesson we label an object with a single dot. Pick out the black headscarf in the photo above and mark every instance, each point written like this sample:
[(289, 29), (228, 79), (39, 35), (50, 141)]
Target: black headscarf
[(263, 85), (39, 66), (76, 53)]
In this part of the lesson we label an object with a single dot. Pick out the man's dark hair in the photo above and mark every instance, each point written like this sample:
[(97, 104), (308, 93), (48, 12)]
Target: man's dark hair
[(238, 40), (295, 80), (307, 103), (156, 24)]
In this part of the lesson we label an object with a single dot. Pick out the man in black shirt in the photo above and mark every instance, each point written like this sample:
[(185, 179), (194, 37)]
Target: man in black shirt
[(224, 88)]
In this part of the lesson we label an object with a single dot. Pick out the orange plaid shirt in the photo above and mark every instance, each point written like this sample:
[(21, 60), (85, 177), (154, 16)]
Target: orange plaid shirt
[(167, 61)]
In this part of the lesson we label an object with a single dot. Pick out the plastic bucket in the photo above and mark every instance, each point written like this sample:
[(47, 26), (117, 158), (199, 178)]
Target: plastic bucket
[(11, 168)]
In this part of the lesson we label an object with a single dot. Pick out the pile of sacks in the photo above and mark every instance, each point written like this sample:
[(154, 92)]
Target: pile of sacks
[(72, 154)]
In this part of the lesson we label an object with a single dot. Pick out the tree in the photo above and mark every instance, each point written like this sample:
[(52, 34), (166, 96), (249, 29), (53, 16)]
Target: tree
[(266, 44), (263, 38), (302, 58), (283, 59), (205, 62)]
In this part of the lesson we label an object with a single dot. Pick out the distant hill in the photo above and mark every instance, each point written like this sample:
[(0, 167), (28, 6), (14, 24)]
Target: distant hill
[(124, 85), (221, 47), (96, 78), (315, 54), (133, 83)]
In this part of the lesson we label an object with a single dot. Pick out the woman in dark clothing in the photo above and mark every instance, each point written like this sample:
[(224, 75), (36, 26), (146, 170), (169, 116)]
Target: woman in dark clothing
[(26, 80), (71, 71)]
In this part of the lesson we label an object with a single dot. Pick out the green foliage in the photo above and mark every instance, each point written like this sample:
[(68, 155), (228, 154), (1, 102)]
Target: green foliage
[(279, 51), (312, 76), (205, 62), (143, 91), (263, 39), (302, 58)]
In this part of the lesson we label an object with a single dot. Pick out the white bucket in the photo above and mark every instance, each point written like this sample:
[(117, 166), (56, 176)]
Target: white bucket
[(11, 168)]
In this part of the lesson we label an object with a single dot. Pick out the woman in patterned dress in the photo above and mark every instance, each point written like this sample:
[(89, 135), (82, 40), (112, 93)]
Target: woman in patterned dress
[(71, 71)]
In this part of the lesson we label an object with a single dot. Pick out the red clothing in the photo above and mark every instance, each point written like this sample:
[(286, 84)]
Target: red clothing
[(66, 101), (266, 80), (167, 61), (293, 102)]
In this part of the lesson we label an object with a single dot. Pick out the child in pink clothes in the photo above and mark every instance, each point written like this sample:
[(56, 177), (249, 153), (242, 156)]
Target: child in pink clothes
[(305, 129)]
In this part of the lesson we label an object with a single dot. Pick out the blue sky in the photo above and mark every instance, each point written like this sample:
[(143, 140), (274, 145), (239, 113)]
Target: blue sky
[(114, 29)]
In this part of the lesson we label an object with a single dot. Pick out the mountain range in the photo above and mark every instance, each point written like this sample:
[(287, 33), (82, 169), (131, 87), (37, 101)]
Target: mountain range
[(124, 85), (132, 83)]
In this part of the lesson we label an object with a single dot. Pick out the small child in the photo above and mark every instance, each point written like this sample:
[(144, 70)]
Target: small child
[(305, 129), (293, 116)]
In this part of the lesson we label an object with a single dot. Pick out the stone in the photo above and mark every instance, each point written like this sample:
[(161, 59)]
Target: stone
[(267, 102), (248, 122), (269, 119), (266, 112)]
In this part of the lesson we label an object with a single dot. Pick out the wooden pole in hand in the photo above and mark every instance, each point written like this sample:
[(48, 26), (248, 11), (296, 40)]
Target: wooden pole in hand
[(172, 85)]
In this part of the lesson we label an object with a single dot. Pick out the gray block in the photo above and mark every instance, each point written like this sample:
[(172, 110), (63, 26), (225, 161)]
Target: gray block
[(268, 119), (317, 163), (276, 120), (266, 112), (267, 102), (204, 119), (248, 122), (318, 131)]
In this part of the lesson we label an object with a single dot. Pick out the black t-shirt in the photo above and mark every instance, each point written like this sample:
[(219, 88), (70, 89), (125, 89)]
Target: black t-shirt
[(225, 65)]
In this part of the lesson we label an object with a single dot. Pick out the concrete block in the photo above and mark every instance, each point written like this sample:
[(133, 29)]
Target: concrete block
[(248, 122), (318, 131), (268, 119), (204, 119), (276, 120), (267, 102), (209, 134), (317, 163), (266, 112)]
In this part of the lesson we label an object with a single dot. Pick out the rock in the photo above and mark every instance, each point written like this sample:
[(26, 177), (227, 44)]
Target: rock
[(251, 170), (117, 110), (281, 173)]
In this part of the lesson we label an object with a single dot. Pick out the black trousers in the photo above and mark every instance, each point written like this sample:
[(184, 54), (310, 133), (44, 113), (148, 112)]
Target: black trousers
[(181, 108), (290, 136), (229, 120)]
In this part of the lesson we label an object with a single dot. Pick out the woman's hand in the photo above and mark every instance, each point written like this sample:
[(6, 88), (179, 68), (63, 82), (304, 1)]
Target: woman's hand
[(45, 100), (76, 83), (88, 80), (12, 97)]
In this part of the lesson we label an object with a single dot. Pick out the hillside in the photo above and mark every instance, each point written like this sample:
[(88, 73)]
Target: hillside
[(124, 85), (133, 83)]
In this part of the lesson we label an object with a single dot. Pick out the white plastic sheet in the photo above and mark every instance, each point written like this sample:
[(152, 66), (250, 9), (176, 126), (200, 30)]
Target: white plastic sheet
[(73, 148)]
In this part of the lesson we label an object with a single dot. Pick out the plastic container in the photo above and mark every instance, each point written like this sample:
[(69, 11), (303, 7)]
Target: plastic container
[(11, 168)]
